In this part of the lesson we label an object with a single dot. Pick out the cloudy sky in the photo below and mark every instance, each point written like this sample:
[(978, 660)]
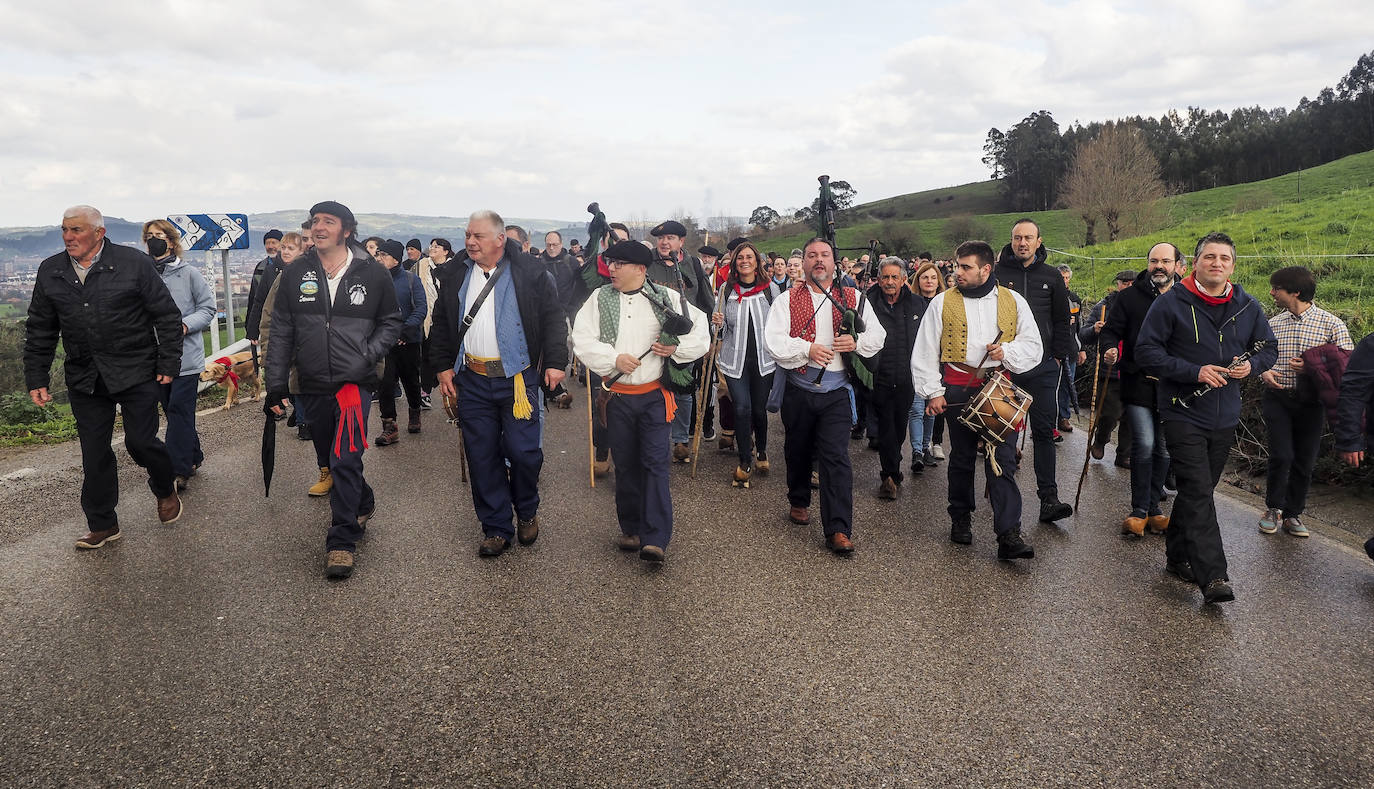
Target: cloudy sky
[(535, 108)]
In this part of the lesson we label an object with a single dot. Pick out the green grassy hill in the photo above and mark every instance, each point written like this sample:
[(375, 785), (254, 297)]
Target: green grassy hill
[(1266, 219)]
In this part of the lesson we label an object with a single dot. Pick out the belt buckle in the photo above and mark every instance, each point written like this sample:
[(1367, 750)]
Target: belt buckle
[(494, 369)]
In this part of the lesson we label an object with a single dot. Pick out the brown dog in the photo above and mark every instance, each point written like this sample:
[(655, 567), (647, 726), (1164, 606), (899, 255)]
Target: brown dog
[(233, 372)]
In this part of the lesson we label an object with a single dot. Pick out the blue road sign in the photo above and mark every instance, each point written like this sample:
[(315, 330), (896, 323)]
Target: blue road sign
[(212, 231)]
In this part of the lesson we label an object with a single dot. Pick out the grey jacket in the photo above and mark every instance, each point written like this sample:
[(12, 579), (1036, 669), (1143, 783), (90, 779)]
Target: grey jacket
[(197, 304)]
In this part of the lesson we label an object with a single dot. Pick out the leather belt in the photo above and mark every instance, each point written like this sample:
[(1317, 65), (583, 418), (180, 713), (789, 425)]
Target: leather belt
[(491, 368)]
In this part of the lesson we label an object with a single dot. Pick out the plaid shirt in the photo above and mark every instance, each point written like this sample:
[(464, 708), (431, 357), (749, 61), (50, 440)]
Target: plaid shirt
[(1300, 333)]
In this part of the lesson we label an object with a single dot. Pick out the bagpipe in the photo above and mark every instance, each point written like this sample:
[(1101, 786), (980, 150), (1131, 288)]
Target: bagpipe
[(851, 322)]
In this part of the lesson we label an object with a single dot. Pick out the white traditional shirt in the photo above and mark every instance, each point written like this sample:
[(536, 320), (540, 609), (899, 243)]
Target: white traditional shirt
[(1022, 354), (794, 352), (639, 328), (480, 341)]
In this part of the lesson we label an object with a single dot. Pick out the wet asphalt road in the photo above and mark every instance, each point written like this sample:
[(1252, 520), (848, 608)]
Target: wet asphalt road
[(212, 652)]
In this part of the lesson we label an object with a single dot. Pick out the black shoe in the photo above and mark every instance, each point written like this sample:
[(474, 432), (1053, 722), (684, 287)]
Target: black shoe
[(291, 420), (857, 434), (917, 467), (1183, 571), (1011, 546), (961, 530), (303, 431), (493, 546), (1218, 591), (1369, 547), (1052, 509), (873, 443)]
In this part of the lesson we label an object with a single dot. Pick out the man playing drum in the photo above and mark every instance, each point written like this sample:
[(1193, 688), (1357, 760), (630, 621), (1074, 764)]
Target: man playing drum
[(967, 331)]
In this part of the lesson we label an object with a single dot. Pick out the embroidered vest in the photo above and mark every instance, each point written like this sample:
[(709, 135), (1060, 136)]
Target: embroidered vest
[(954, 327)]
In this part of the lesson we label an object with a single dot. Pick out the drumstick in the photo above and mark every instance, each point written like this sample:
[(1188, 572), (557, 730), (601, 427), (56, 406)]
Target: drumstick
[(995, 340)]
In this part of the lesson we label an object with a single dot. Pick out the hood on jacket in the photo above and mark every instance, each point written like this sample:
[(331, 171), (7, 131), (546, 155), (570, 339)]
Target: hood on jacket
[(1008, 258)]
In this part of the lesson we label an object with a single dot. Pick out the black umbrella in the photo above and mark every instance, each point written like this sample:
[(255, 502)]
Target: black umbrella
[(269, 450)]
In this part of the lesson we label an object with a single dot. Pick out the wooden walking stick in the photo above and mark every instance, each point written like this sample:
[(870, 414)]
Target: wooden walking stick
[(1093, 416), (708, 376), (591, 446)]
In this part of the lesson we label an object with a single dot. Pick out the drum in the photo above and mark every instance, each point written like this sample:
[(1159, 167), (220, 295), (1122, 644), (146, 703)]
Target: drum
[(997, 411)]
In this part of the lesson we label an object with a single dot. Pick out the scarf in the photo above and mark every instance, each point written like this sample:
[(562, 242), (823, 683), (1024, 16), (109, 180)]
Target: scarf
[(758, 287), (1191, 284)]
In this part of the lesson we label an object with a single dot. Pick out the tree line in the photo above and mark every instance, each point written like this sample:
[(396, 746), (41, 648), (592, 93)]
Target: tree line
[(1196, 149)]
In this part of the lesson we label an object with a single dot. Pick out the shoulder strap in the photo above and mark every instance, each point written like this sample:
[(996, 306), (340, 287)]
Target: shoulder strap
[(477, 305)]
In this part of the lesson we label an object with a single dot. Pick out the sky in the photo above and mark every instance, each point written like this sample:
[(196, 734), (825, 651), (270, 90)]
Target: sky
[(535, 108)]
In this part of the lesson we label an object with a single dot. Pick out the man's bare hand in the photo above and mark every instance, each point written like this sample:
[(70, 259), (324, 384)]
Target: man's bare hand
[(820, 354), (1082, 356), (1270, 379), (1214, 375), (1110, 356), (626, 363), (446, 385), (1097, 327), (1241, 370), (1295, 364), (995, 351), (845, 344), (935, 405), (665, 351), (553, 377), (164, 379), (40, 396), (1352, 458)]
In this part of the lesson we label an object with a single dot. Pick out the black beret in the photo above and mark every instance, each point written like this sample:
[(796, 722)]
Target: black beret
[(709, 252), (629, 252), (271, 234), (414, 243), (393, 248), (335, 208), (670, 228), (734, 242)]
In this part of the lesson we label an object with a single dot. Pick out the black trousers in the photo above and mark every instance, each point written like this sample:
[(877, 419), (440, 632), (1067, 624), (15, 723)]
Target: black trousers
[(95, 418), (1003, 492), (637, 430), (1198, 457), (817, 426), (1295, 436), (402, 364), (749, 404), (892, 406), (1042, 384), (351, 495)]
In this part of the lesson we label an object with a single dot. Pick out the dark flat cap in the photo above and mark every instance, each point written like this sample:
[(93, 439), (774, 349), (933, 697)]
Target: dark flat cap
[(734, 242), (271, 234), (1125, 275), (709, 252), (393, 248), (334, 208), (629, 252), (670, 228)]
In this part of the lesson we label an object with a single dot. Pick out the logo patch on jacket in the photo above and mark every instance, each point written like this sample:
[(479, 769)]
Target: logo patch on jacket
[(357, 294), (310, 288)]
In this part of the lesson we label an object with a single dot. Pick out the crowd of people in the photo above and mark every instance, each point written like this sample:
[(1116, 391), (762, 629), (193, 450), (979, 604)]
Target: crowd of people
[(901, 352)]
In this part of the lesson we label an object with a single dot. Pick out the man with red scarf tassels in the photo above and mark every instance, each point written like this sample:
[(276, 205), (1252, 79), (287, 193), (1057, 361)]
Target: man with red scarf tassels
[(1194, 335), (335, 318), (805, 334)]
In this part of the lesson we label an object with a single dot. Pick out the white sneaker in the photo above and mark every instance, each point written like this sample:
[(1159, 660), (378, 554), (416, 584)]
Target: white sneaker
[(938, 451)]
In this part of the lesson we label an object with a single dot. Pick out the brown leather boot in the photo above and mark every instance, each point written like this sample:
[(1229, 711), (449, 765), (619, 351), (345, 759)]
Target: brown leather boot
[(390, 433), (1133, 527), (414, 425), (1157, 524)]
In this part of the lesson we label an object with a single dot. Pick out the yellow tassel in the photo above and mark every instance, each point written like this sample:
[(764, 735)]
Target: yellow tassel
[(522, 408)]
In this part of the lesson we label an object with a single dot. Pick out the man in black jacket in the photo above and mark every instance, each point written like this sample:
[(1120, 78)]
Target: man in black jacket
[(684, 274), (498, 325), (122, 333), (263, 275), (563, 268), (335, 318), (1356, 408), (1149, 458), (1021, 268), (899, 311)]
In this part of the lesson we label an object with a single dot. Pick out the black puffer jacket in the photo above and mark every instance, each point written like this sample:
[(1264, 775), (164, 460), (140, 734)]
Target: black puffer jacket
[(564, 271), (1124, 319), (1044, 290), (901, 321), (331, 344), (541, 314), (263, 276), (121, 326)]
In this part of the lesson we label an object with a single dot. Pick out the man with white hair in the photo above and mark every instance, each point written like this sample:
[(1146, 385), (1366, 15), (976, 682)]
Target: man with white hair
[(122, 332), (498, 331)]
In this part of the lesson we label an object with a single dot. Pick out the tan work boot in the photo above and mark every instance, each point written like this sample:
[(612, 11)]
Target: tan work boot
[(325, 484), (1157, 524), (1133, 527)]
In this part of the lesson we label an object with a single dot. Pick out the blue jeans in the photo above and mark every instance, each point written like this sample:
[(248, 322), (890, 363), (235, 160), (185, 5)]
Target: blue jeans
[(183, 443), (1149, 461), (682, 421), (1068, 394), (920, 426)]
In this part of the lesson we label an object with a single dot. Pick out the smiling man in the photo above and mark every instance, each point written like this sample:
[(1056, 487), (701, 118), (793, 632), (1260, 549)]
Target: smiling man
[(122, 333), (1192, 335)]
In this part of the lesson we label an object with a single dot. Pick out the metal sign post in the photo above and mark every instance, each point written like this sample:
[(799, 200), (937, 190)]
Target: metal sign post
[(221, 233)]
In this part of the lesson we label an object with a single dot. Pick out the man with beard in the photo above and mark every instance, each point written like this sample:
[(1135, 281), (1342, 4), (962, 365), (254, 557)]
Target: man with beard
[(499, 332), (1021, 268), (610, 334), (334, 318), (899, 311), (1192, 335), (684, 274), (808, 336), (968, 330), (1149, 456)]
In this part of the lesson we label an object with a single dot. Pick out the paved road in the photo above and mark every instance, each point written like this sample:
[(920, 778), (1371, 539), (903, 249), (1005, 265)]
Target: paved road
[(214, 653)]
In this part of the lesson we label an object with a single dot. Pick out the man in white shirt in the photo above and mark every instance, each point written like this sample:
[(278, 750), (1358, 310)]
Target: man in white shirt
[(975, 327), (625, 331), (811, 333)]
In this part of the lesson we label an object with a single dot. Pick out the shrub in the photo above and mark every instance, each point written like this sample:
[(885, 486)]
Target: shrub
[(1337, 229), (17, 408)]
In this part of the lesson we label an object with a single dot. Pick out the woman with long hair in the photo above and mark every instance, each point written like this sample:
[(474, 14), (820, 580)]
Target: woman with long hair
[(440, 253), (741, 311), (927, 282)]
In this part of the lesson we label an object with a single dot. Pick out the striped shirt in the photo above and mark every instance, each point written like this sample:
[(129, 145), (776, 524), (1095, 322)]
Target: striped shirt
[(1299, 333)]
